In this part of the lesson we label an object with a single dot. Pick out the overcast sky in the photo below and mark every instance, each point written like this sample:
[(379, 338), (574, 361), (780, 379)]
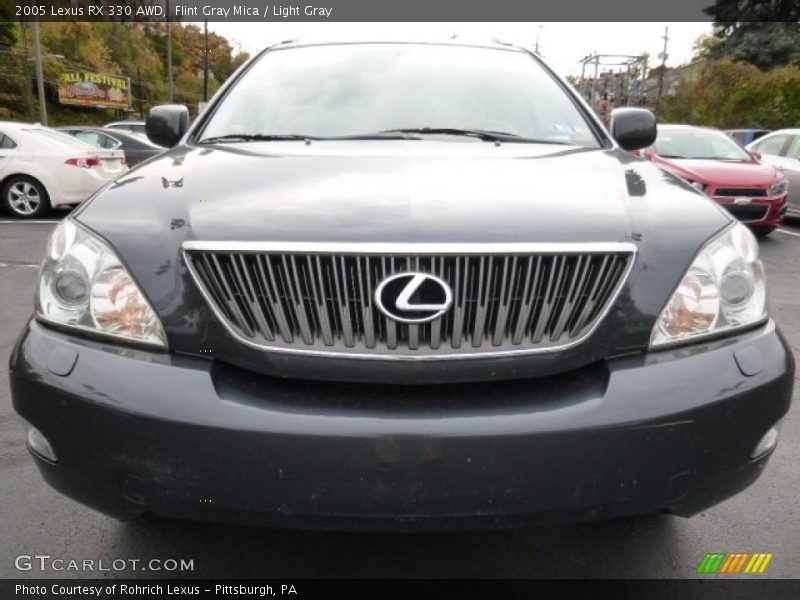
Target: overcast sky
[(562, 44)]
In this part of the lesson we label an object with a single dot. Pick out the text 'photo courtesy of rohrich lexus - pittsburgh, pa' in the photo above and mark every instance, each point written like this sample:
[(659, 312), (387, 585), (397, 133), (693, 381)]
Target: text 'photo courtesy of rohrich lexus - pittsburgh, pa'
[(400, 286)]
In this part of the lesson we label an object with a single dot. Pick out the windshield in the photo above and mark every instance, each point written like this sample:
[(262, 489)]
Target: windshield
[(698, 144), (356, 90), (60, 138)]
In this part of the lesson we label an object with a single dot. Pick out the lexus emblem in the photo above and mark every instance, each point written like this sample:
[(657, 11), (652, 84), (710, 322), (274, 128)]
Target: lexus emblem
[(413, 297)]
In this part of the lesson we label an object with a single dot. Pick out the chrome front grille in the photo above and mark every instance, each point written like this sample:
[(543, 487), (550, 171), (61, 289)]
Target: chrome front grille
[(507, 298)]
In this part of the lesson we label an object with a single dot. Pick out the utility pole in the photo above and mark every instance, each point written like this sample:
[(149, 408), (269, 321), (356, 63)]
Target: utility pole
[(205, 63), (141, 101), (663, 57), (37, 47), (582, 86), (26, 89), (169, 57)]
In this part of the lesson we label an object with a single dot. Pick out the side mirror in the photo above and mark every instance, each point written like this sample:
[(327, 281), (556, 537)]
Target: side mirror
[(755, 154), (166, 124), (633, 128)]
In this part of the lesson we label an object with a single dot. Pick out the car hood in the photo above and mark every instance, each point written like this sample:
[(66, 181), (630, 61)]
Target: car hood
[(722, 172), (400, 191), (434, 192)]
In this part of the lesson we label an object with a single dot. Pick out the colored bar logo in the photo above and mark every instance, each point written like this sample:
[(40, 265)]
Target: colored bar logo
[(735, 562)]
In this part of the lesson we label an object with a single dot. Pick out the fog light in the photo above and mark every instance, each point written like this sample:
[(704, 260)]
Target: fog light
[(766, 443), (40, 445)]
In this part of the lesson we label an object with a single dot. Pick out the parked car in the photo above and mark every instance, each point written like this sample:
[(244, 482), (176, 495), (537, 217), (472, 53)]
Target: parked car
[(132, 126), (366, 308), (41, 168), (754, 192), (781, 149), (136, 148), (746, 136)]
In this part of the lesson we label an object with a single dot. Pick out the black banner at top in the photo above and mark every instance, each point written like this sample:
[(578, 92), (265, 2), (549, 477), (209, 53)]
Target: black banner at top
[(362, 10)]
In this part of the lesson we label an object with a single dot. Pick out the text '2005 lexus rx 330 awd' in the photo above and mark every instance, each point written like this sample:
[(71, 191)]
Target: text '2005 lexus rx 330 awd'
[(398, 286)]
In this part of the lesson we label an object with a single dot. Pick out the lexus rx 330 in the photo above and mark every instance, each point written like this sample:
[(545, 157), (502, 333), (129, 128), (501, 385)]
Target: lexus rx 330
[(399, 286)]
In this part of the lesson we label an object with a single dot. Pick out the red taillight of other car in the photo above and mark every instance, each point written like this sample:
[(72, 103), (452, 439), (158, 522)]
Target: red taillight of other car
[(83, 162)]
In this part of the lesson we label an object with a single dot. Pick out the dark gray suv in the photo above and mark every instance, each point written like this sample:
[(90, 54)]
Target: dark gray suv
[(397, 286)]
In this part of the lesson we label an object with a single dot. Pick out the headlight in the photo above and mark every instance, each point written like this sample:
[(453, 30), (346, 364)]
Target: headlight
[(723, 290), (83, 285), (780, 188)]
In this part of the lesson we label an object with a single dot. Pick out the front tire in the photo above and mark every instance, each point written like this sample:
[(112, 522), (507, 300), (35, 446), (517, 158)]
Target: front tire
[(25, 198)]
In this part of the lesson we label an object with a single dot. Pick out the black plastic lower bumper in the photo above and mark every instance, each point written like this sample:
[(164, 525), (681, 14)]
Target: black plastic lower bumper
[(138, 432)]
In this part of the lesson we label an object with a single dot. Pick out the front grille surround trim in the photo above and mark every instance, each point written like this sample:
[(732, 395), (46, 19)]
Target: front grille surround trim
[(421, 249)]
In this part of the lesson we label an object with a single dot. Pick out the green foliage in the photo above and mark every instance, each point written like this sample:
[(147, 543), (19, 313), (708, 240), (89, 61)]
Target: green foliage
[(730, 12), (134, 50), (730, 94), (766, 45), (8, 34), (766, 34)]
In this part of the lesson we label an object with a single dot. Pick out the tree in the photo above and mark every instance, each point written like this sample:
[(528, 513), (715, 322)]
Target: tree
[(240, 58), (8, 34), (730, 94), (766, 34), (219, 52), (730, 13), (704, 45), (132, 49)]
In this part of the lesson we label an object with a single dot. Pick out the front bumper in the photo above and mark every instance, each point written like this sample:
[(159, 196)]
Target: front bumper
[(139, 432)]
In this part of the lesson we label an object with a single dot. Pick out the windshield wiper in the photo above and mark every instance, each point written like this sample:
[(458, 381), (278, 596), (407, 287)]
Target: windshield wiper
[(481, 134), (395, 134), (255, 137)]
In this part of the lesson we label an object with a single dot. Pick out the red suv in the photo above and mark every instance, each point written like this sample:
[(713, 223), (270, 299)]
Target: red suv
[(754, 192)]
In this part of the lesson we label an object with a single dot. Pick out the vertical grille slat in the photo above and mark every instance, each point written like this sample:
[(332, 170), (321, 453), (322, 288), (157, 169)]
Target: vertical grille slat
[(343, 302), (413, 329), (320, 305), (503, 302), (326, 300), (268, 285), (436, 326), (253, 297), (292, 283), (569, 300), (548, 297), (230, 297)]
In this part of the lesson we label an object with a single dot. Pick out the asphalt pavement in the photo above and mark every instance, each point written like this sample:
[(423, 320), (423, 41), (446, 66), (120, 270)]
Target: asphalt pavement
[(37, 520)]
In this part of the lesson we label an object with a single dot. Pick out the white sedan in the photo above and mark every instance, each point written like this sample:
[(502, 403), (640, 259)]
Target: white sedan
[(781, 149), (41, 168)]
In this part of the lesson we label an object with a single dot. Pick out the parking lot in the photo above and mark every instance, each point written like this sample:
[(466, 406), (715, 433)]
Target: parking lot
[(37, 520)]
